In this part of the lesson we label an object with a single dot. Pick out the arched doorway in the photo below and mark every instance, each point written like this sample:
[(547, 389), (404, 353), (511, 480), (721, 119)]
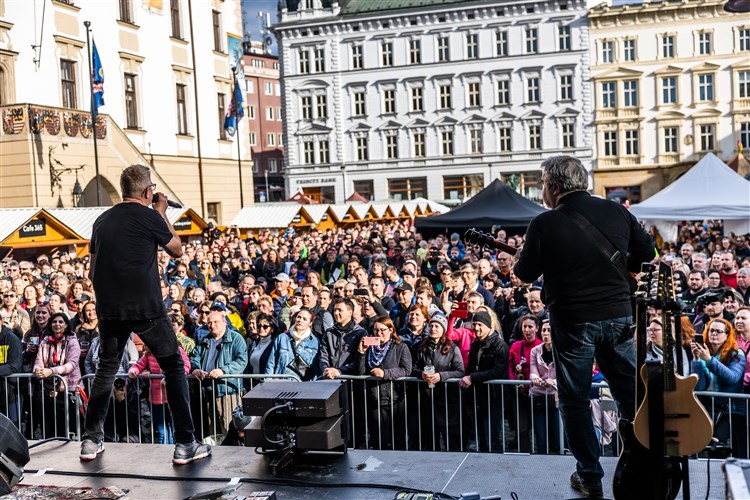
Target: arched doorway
[(109, 194)]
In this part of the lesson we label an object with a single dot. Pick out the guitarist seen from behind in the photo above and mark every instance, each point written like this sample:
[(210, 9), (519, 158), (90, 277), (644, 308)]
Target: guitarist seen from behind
[(588, 295)]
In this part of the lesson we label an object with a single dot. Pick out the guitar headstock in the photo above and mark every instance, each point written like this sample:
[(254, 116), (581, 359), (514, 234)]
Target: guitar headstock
[(646, 282), (477, 237), (666, 290)]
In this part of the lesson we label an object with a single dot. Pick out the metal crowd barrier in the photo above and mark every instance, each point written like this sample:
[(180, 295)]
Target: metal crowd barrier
[(497, 416)]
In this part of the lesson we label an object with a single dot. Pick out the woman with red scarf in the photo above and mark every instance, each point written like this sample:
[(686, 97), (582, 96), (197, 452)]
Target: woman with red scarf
[(57, 360)]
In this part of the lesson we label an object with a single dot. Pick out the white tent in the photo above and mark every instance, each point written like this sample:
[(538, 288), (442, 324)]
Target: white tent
[(709, 190)]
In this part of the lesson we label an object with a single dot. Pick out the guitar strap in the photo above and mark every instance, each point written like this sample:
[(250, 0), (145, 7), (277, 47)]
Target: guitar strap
[(605, 246)]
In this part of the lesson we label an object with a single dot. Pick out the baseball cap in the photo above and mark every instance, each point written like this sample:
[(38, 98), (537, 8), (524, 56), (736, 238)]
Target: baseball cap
[(404, 287), (282, 277), (84, 297), (219, 305)]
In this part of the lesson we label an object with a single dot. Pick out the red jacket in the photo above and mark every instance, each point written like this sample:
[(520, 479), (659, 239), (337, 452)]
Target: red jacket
[(158, 393), (462, 337), (521, 349)]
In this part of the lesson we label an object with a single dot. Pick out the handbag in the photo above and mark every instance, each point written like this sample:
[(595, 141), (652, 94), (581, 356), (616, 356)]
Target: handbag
[(299, 366)]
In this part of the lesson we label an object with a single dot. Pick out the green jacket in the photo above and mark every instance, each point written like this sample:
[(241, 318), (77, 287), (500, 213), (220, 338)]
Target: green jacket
[(231, 359)]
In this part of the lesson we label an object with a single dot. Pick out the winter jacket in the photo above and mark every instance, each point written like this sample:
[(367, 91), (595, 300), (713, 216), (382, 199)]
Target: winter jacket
[(396, 364), (542, 370), (520, 353), (148, 363), (339, 348), (282, 356), (11, 361), (231, 359), (461, 336), (68, 353), (448, 366), (488, 359), (17, 320), (322, 321), (716, 376)]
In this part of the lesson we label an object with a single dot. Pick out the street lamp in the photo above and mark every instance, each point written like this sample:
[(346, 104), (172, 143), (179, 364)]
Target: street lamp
[(737, 6), (77, 193)]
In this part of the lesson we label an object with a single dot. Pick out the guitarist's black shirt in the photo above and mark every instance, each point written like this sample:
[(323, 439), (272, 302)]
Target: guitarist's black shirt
[(580, 285)]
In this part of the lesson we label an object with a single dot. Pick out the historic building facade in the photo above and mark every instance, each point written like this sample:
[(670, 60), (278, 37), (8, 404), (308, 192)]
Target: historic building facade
[(434, 101), (671, 82), (167, 86)]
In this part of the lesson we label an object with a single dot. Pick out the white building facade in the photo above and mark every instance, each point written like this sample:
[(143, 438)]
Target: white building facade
[(671, 83), (435, 101)]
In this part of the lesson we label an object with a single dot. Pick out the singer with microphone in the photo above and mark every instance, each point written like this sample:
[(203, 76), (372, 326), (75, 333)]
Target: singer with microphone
[(125, 274)]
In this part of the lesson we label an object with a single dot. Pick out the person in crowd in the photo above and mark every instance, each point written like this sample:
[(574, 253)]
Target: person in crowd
[(655, 346), (728, 270), (543, 392), (129, 357), (296, 351), (228, 277), (720, 365), (713, 308), (281, 292), (11, 362), (378, 287), (175, 292), (259, 345), (533, 306), (439, 406), (519, 368), (333, 269), (713, 280), (415, 329), (88, 328), (14, 316), (205, 274), (338, 349), (743, 283), (222, 352), (696, 288), (177, 320), (405, 299), (30, 299), (488, 360), (387, 361), (234, 321), (470, 278), (58, 369), (322, 319), (269, 265), (241, 301)]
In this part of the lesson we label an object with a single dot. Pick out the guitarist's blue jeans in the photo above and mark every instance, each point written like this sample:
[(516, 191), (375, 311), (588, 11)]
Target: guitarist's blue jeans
[(575, 347)]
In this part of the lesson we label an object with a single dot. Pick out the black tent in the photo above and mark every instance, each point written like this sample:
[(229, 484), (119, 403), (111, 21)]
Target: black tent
[(496, 205)]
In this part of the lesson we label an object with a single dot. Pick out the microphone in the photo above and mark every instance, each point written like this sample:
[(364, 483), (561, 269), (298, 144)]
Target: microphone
[(171, 203)]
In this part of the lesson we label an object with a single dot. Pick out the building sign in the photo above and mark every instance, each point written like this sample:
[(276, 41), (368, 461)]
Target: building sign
[(183, 224), (296, 219), (322, 180), (35, 227), (324, 218)]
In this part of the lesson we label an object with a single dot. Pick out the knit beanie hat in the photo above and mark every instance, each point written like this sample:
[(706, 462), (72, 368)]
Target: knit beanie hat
[(440, 320), (483, 317)]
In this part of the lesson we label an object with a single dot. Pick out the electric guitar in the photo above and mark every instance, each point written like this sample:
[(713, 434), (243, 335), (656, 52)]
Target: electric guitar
[(687, 426), (477, 237)]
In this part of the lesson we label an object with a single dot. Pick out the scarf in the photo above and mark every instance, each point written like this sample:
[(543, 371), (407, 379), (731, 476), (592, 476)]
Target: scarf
[(299, 337), (376, 354), (57, 350)]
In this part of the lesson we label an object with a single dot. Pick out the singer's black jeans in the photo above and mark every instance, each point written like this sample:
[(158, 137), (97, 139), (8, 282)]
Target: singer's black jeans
[(158, 336)]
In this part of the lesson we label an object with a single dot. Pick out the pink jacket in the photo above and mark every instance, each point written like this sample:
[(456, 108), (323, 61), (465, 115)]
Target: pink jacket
[(68, 354), (158, 393), (542, 370), (462, 337)]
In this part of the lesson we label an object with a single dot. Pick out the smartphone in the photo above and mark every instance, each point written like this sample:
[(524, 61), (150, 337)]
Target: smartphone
[(698, 339), (371, 341), (360, 291), (460, 311)]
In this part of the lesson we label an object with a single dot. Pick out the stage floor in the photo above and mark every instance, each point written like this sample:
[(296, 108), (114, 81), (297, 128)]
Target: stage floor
[(529, 476)]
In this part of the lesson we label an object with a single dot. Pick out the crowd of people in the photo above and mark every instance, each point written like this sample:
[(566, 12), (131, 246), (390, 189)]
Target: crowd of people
[(374, 299)]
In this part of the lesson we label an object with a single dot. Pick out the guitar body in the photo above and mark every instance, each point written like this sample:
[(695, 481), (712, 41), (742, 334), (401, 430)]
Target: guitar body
[(687, 426), (641, 473)]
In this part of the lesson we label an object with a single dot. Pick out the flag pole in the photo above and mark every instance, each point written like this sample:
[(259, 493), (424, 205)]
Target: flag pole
[(239, 167), (93, 112)]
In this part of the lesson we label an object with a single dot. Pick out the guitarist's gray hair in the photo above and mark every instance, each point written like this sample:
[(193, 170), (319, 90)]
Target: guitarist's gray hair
[(566, 172)]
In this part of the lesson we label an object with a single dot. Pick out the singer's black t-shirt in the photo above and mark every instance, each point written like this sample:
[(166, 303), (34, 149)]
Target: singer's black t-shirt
[(126, 275)]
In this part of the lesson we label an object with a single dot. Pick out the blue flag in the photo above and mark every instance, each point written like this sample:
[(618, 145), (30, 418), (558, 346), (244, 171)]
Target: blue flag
[(235, 111), (98, 79)]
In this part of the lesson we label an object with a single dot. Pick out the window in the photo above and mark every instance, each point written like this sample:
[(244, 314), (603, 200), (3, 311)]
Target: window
[(472, 46), (628, 50), (670, 140), (566, 87), (253, 139), (443, 49), (357, 57), (459, 187), (535, 137), (532, 43), (322, 106), (304, 61), (706, 87), (324, 152), (359, 103), (743, 79), (365, 188), (216, 16), (222, 114), (131, 102), (632, 146), (744, 35), (387, 53), (568, 135), (563, 37), (475, 96), (501, 43), (444, 96), (446, 142), (417, 101), (269, 88), (255, 167), (415, 52), (608, 51), (391, 146), (610, 143), (320, 61), (306, 107), (308, 152), (609, 95), (278, 114), (273, 165), (407, 189), (213, 209), (503, 92), (251, 112), (475, 141), (667, 46), (669, 90), (704, 43), (269, 113), (630, 93), (182, 118), (126, 11), (271, 140), (280, 140), (174, 12), (529, 184), (532, 89), (389, 101), (707, 137), (503, 136), (250, 86), (418, 141), (745, 134), (68, 84), (362, 153)]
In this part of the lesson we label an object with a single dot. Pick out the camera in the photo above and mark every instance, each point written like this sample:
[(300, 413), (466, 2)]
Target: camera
[(119, 384), (708, 298)]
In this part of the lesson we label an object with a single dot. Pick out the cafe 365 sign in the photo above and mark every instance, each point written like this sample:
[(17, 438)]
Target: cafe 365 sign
[(34, 227)]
